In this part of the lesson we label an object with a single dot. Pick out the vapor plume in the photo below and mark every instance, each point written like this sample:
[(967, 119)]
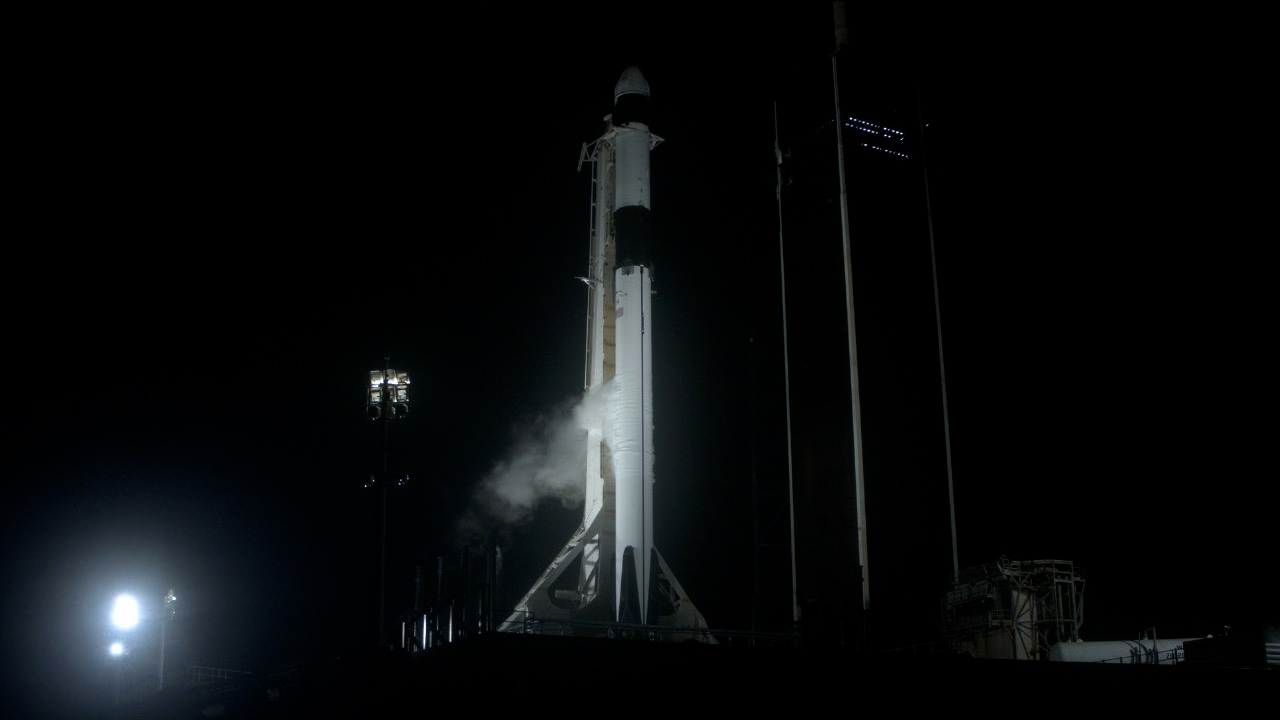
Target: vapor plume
[(547, 459)]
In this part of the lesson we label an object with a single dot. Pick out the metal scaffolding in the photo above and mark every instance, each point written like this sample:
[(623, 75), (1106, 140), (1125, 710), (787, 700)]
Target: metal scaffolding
[(1014, 609)]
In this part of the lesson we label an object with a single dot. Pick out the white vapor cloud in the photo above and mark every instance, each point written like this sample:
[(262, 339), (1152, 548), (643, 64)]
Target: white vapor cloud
[(547, 459)]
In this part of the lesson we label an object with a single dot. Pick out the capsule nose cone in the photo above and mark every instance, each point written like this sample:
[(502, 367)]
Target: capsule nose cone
[(631, 82)]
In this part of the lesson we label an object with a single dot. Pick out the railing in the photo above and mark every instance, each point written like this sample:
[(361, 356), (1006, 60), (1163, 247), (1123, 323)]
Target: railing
[(937, 647), (1146, 656), (530, 625), (197, 675)]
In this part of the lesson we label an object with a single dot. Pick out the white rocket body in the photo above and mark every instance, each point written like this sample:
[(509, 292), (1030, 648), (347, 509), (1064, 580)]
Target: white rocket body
[(631, 414), (631, 418)]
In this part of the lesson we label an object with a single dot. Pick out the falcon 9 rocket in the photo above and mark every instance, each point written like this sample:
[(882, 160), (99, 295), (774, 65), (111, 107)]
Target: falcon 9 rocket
[(610, 570)]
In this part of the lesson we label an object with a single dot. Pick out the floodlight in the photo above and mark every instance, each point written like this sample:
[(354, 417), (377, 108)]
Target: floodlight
[(125, 612)]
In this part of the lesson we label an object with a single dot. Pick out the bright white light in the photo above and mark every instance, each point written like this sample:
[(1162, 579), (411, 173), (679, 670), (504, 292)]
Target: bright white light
[(124, 614), (117, 648)]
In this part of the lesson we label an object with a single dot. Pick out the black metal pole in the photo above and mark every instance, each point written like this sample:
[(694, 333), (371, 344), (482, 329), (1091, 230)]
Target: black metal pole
[(386, 441)]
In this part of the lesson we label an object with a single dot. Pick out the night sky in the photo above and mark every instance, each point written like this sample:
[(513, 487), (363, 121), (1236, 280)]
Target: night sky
[(221, 231)]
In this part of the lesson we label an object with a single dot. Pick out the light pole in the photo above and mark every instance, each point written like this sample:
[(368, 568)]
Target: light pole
[(170, 609), (125, 613), (117, 656), (388, 400)]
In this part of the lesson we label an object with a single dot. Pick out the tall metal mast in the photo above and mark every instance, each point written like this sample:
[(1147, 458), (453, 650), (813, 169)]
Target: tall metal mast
[(942, 365), (786, 378), (388, 400), (842, 39)]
